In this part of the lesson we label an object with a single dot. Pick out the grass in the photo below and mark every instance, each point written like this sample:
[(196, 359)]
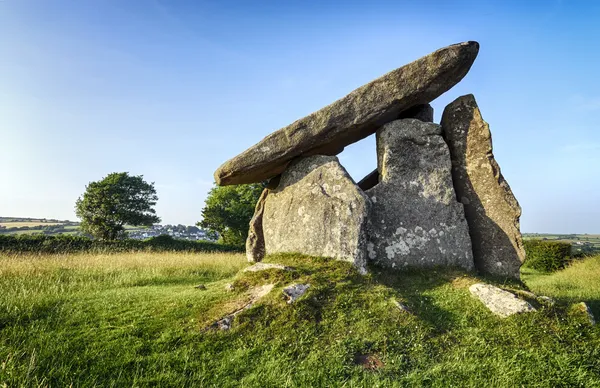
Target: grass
[(578, 282), (138, 320)]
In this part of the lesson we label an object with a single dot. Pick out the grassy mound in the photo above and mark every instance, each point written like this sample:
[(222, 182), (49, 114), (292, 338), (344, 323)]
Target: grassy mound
[(137, 320)]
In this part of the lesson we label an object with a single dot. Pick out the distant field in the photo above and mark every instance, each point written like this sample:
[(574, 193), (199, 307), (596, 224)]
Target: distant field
[(29, 224)]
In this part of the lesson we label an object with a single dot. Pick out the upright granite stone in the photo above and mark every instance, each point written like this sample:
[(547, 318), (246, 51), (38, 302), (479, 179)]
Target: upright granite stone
[(318, 210), (353, 117), (416, 220), (423, 112), (491, 209), (420, 112), (255, 243)]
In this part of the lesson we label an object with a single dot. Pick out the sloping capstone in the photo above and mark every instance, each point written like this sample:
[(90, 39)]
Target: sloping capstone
[(353, 117), (318, 210), (498, 301), (416, 220), (491, 209)]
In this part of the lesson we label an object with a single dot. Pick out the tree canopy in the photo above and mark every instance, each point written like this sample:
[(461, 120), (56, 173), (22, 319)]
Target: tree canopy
[(118, 199), (228, 210)]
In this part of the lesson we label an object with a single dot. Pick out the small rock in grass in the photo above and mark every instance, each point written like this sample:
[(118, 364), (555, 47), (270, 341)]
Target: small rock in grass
[(265, 266), (583, 308), (401, 306), (498, 301), (201, 287), (546, 299), (368, 361), (229, 287), (255, 294), (295, 291)]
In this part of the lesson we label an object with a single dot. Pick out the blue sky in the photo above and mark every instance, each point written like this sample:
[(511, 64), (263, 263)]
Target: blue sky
[(171, 89)]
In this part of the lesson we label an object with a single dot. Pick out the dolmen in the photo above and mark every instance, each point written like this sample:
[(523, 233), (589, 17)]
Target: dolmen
[(437, 197)]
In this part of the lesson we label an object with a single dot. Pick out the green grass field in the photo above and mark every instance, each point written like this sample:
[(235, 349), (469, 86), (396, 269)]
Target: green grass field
[(138, 320)]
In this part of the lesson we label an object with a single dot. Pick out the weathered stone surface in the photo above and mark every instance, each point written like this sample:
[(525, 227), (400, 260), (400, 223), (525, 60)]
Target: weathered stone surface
[(420, 112), (423, 112), (498, 301), (255, 243), (353, 117), (416, 220), (295, 291), (491, 209), (265, 266), (318, 210)]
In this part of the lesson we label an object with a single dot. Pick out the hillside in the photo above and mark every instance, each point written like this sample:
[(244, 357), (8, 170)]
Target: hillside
[(139, 320), (52, 227)]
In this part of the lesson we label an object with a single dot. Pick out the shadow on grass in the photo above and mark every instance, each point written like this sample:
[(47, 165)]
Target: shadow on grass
[(413, 285), (46, 309)]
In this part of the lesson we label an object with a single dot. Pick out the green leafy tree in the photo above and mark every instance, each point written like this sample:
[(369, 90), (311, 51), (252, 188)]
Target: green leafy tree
[(118, 199), (228, 210)]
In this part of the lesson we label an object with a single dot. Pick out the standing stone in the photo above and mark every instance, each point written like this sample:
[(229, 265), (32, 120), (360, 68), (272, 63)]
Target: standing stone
[(255, 243), (353, 117), (422, 112), (317, 210), (491, 209), (416, 220)]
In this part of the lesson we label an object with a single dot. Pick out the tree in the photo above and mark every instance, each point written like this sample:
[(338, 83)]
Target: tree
[(228, 210), (116, 200)]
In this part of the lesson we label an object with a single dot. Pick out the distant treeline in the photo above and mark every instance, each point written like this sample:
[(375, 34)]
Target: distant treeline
[(40, 243)]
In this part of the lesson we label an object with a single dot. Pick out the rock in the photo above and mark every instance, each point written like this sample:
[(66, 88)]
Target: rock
[(317, 210), (229, 287), (491, 209), (201, 287), (546, 300), (401, 306), (369, 181), (420, 112), (416, 220), (295, 291), (255, 243), (423, 112), (255, 294), (583, 308), (265, 266), (498, 301), (353, 117)]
